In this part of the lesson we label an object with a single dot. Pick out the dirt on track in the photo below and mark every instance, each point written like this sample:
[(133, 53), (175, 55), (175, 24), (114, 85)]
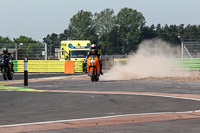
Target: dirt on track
[(196, 77), (172, 78)]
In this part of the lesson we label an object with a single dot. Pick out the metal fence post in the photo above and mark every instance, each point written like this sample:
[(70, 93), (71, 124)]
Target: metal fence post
[(182, 49), (182, 45), (45, 51), (16, 43)]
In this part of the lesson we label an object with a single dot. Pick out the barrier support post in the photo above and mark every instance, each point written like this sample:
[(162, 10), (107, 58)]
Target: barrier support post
[(25, 71)]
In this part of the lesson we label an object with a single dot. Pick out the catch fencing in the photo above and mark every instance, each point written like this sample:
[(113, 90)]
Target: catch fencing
[(191, 48), (34, 51)]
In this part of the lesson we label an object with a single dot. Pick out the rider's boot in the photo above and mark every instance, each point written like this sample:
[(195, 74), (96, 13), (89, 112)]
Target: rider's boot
[(12, 67), (101, 69), (86, 70)]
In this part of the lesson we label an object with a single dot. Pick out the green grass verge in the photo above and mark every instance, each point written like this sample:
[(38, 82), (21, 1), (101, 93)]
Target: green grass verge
[(11, 88)]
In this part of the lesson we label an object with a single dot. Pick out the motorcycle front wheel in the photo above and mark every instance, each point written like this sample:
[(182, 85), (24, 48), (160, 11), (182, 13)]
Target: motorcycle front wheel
[(92, 75)]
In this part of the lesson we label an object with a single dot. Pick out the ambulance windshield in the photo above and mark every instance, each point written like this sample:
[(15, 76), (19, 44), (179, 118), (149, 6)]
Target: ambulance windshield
[(78, 54)]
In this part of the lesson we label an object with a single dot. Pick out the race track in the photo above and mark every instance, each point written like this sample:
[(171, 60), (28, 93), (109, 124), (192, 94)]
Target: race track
[(71, 103)]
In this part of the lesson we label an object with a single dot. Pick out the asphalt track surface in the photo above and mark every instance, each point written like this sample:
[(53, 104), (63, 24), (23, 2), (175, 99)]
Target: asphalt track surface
[(73, 104), (20, 76)]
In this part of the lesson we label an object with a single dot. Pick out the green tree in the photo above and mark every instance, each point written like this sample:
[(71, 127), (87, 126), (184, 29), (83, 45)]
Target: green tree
[(104, 23), (81, 27), (149, 32), (191, 31), (24, 39), (64, 36), (5, 39), (52, 41), (181, 30), (130, 23), (6, 42)]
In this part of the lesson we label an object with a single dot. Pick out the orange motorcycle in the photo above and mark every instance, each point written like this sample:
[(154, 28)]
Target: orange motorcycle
[(93, 67)]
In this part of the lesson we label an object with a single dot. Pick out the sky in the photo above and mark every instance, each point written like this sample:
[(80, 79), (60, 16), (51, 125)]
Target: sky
[(38, 18)]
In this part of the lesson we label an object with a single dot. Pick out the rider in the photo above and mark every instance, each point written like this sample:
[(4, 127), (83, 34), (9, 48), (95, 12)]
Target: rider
[(6, 55), (94, 51)]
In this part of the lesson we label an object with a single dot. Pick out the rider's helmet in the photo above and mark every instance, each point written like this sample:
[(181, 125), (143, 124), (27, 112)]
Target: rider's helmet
[(93, 47), (4, 50)]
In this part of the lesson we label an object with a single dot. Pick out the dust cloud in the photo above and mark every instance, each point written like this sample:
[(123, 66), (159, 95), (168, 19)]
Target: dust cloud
[(154, 58)]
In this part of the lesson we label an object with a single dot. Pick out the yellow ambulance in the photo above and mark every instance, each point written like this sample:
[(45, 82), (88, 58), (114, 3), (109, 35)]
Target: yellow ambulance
[(75, 50)]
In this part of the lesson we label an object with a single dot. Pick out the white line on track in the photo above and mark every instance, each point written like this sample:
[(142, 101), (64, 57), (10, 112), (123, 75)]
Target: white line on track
[(104, 117)]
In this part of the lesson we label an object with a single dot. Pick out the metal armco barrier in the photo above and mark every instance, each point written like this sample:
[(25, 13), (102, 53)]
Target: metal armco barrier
[(40, 66), (46, 66), (78, 66), (190, 63), (186, 63), (59, 66)]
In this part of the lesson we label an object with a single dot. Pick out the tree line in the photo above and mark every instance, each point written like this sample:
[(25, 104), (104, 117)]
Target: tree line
[(118, 33)]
